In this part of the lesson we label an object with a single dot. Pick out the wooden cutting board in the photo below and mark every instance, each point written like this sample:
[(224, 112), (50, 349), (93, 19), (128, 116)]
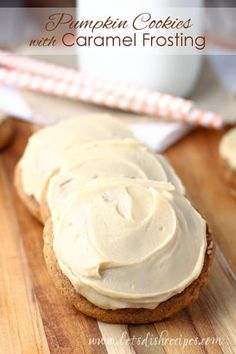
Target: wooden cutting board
[(35, 319)]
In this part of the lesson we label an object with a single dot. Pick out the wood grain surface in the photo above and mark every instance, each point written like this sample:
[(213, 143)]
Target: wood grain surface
[(35, 319)]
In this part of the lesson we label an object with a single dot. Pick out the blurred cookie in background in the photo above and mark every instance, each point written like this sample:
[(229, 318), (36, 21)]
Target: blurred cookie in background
[(227, 152), (6, 130)]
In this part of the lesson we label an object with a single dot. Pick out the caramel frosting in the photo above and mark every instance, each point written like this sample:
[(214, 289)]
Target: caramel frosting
[(129, 243), (227, 148), (127, 158), (46, 148)]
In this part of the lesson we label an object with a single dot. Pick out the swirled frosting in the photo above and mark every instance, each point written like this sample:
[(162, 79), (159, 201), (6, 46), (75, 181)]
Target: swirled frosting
[(227, 148), (129, 243), (46, 149), (127, 158)]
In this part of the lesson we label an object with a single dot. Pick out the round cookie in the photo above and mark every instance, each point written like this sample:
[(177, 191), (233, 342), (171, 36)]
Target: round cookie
[(128, 250), (126, 158), (6, 130), (46, 148), (132, 316)]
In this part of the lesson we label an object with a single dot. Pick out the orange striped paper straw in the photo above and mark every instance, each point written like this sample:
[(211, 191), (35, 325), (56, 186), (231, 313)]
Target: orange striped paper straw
[(27, 73)]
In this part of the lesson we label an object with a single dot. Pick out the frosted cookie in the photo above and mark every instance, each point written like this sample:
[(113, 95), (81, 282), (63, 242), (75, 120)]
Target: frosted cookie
[(127, 158), (46, 149), (128, 250), (6, 130), (227, 153)]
